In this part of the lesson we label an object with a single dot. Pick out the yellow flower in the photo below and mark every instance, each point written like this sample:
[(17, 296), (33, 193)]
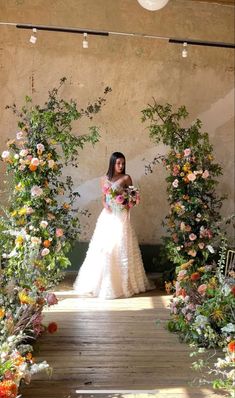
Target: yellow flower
[(217, 314), (19, 187), (186, 167), (25, 299), (212, 283), (2, 313), (186, 265), (201, 269), (22, 211), (210, 157), (19, 240), (14, 213)]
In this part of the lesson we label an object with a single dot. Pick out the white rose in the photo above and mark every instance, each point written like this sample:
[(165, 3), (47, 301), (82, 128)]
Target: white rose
[(23, 152), (51, 163), (5, 154), (40, 147), (43, 224), (45, 252), (19, 135)]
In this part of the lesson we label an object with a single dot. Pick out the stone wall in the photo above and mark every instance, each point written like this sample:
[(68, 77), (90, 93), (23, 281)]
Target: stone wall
[(137, 69)]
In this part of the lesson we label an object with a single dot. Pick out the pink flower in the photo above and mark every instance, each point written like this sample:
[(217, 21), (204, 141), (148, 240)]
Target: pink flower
[(45, 252), (187, 152), (192, 253), (202, 289), (35, 240), (175, 171), (51, 299), (188, 316), (130, 205), (35, 161), (36, 191), (191, 177), (201, 245), (175, 183), (181, 274), (205, 174), (59, 232), (119, 199), (192, 236)]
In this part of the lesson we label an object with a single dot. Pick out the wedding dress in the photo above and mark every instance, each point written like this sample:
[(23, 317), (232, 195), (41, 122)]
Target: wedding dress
[(113, 265)]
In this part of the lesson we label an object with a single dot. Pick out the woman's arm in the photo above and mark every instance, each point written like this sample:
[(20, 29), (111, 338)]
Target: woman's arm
[(105, 204)]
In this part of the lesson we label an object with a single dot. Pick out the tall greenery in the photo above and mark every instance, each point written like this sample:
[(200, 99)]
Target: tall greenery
[(192, 222), (38, 226)]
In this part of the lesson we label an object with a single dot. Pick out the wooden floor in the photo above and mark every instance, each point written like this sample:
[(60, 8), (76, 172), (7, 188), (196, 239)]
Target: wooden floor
[(114, 348)]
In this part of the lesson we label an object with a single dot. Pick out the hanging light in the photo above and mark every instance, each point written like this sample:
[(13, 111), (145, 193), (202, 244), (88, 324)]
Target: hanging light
[(85, 41), (33, 37), (153, 5), (185, 51)]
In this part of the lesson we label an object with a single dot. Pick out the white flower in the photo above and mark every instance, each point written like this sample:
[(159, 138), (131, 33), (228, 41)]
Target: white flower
[(45, 252), (175, 183), (43, 224), (5, 154), (210, 248), (36, 191), (230, 327), (40, 148), (35, 240), (35, 161), (51, 163), (16, 156), (19, 135), (24, 152)]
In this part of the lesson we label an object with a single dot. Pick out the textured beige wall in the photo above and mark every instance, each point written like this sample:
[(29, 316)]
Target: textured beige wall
[(137, 69)]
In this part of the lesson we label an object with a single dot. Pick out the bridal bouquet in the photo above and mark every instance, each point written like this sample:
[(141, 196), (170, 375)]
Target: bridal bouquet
[(126, 198)]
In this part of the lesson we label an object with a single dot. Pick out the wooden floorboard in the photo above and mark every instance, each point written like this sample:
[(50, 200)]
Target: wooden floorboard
[(114, 348)]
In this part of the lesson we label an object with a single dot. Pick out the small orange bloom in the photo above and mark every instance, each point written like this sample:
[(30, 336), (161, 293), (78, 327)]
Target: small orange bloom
[(32, 167), (231, 346), (52, 327), (47, 243)]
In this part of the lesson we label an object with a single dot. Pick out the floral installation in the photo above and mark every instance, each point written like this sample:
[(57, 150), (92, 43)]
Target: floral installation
[(203, 300), (38, 227), (122, 198)]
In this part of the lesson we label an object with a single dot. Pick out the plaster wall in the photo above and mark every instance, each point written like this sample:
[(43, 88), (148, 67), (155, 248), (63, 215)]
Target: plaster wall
[(137, 69)]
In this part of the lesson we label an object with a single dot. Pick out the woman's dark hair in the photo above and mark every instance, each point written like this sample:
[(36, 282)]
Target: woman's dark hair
[(112, 162)]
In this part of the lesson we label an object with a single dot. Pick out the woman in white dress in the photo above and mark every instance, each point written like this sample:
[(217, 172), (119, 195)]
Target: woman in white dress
[(113, 265)]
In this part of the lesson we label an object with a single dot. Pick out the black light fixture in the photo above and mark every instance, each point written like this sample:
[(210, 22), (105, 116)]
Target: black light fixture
[(93, 32)]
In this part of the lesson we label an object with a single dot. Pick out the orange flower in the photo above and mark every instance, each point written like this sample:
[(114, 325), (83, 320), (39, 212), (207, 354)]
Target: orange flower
[(47, 243), (231, 346), (195, 276), (32, 167), (8, 389), (52, 327), (2, 313)]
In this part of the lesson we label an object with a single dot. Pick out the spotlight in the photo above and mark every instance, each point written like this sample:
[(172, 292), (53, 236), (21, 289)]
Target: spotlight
[(185, 51), (85, 41), (33, 37)]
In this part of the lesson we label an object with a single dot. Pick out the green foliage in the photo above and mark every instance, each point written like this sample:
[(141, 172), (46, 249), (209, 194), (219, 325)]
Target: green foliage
[(193, 220)]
